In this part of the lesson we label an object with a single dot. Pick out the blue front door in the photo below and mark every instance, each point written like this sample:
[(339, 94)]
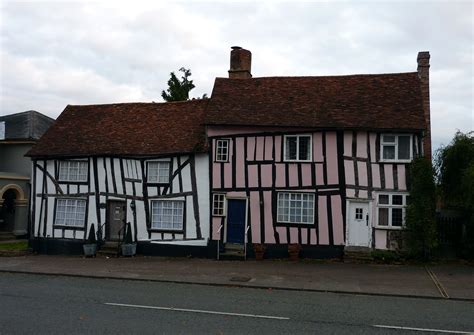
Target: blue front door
[(236, 210)]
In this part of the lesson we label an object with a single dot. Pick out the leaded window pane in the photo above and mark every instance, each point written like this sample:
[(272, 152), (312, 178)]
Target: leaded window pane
[(383, 216), (397, 217), (389, 138), (158, 172), (304, 146), (397, 199), (388, 152), (383, 199), (404, 147), (167, 214), (295, 207), (291, 147), (70, 212)]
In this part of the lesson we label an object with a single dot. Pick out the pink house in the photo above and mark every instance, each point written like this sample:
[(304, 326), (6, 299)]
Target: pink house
[(320, 162)]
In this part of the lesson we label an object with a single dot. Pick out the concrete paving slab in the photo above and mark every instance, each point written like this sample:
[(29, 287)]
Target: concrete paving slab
[(457, 279)]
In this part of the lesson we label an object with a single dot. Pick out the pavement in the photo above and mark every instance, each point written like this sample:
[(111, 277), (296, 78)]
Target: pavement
[(441, 281)]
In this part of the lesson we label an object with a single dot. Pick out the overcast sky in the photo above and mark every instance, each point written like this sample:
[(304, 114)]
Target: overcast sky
[(62, 52)]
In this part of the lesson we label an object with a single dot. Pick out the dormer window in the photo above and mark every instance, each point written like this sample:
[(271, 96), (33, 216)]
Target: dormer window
[(396, 148), (297, 148), (222, 150)]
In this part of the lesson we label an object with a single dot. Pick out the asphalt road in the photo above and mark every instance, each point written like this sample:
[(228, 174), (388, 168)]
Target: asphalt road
[(36, 304)]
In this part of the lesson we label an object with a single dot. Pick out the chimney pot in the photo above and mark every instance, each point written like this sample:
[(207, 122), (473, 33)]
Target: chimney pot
[(240, 63)]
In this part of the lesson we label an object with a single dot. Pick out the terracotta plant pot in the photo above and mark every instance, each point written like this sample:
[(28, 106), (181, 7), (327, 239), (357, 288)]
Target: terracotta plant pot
[(294, 251), (259, 250)]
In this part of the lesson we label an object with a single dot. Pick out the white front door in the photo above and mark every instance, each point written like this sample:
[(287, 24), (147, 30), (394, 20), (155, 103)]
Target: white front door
[(359, 224)]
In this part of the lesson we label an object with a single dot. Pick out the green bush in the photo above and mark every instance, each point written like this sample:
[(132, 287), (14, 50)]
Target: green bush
[(422, 236), (386, 256)]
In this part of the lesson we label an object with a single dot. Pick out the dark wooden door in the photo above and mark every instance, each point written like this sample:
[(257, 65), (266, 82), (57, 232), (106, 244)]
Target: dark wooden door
[(236, 220), (116, 214)]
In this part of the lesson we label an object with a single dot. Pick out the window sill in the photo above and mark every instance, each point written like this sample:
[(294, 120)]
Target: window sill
[(395, 160), (296, 225), (297, 161), (389, 228), (68, 227), (167, 231), (82, 182)]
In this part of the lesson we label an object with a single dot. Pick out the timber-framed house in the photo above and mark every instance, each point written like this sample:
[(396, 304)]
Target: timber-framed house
[(317, 162)]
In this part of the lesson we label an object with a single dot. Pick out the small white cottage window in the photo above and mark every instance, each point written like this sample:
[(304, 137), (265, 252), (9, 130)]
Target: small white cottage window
[(70, 212), (396, 148), (167, 214), (2, 130), (73, 171), (218, 204), (391, 208), (159, 172), (297, 148), (222, 150)]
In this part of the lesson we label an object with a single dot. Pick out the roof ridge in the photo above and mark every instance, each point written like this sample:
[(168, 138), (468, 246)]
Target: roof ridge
[(142, 103), (326, 76)]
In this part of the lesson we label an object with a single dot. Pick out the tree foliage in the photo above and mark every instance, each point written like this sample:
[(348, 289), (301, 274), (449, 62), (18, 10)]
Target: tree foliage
[(178, 90), (455, 175), (421, 210)]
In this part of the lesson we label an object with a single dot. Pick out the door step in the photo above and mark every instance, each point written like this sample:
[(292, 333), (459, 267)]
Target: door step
[(7, 236), (354, 254), (109, 249), (233, 252)]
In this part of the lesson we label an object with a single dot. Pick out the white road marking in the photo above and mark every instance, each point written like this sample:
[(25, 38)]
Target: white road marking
[(199, 311), (425, 329)]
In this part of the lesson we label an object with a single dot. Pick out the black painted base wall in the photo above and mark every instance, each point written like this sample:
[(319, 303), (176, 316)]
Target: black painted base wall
[(272, 251), (56, 246)]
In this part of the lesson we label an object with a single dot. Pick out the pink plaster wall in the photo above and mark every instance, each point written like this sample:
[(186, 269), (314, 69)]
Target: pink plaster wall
[(363, 194), (250, 148), (402, 178), (228, 170), (236, 194), (337, 220), (282, 234), (319, 174), (293, 174), (260, 144), (373, 148), (323, 221), (304, 233), (362, 144), (269, 232), (278, 148), (318, 147), (380, 239), (255, 216), (313, 237), (375, 175), (307, 177), (331, 153), (388, 176), (216, 222), (294, 235), (362, 171), (216, 175), (280, 175), (253, 175), (349, 170), (268, 148), (240, 163), (347, 143), (266, 174), (350, 193)]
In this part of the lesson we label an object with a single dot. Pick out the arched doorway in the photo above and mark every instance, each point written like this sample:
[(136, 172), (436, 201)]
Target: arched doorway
[(11, 197)]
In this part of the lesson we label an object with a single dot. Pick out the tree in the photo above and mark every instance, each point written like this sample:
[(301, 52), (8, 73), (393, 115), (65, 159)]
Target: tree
[(421, 211), (178, 90), (455, 176)]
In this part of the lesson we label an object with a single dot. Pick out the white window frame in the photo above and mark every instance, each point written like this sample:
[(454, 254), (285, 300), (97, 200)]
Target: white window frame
[(298, 148), (68, 165), (382, 144), (219, 146), (158, 181), (219, 211), (64, 222), (280, 193), (390, 206), (173, 201)]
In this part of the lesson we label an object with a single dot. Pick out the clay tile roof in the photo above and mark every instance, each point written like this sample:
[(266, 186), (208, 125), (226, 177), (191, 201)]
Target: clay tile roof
[(129, 129), (382, 101)]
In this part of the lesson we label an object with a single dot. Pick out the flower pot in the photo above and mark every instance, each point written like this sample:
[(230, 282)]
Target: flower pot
[(294, 251), (259, 250), (89, 249), (129, 249)]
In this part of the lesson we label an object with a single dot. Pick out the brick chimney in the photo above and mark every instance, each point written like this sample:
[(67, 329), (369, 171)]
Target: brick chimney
[(423, 60), (240, 63)]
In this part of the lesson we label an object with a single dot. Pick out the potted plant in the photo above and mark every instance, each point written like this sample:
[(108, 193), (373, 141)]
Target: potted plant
[(128, 247), (294, 251), (259, 250), (90, 247)]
